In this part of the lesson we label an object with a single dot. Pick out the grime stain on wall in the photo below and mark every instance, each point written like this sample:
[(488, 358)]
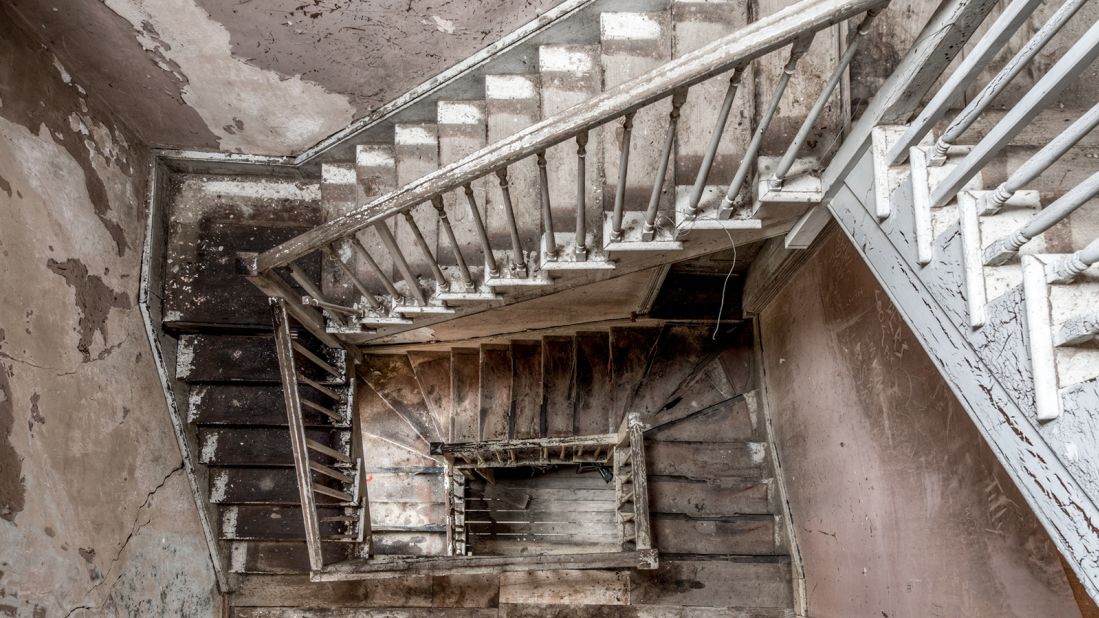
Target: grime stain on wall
[(94, 300)]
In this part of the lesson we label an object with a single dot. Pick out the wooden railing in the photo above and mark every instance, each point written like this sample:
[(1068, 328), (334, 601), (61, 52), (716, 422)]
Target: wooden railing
[(315, 478), (793, 27), (632, 490)]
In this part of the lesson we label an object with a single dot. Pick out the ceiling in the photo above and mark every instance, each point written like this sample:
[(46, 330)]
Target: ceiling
[(260, 76)]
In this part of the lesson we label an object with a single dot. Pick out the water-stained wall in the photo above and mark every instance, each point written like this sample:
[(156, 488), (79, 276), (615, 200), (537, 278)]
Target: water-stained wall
[(898, 506), (96, 516)]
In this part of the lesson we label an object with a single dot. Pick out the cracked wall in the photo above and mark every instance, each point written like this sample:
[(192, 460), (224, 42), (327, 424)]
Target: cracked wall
[(899, 507), (96, 516)]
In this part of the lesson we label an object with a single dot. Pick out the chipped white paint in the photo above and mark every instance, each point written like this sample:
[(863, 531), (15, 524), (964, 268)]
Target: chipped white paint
[(459, 112), (250, 109), (65, 77), (338, 174), (194, 400), (629, 26), (971, 258), (265, 189), (374, 156), (238, 558), (229, 517), (209, 447), (443, 25), (563, 59), (1042, 363), (185, 361), (413, 135), (758, 452), (509, 87), (219, 486)]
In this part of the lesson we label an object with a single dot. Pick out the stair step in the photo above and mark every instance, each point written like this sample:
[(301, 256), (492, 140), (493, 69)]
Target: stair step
[(465, 425), (244, 358), (388, 440), (249, 404), (283, 523), (391, 376), (526, 379), (262, 446), (741, 534), (513, 103), (707, 460), (558, 384), (416, 148), (682, 349), (714, 498), (594, 396), (737, 582), (280, 557), (463, 130), (432, 371), (406, 516), (631, 349), (260, 485), (495, 391), (376, 169), (400, 543)]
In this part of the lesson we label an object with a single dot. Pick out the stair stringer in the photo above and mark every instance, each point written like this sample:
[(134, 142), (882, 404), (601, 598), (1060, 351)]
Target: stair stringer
[(987, 371)]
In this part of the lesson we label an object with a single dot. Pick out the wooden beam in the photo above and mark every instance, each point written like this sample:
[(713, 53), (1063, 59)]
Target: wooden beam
[(465, 565)]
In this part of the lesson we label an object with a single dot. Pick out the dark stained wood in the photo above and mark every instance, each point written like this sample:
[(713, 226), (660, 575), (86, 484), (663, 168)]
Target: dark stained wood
[(707, 388), (631, 350), (390, 375), (682, 349), (206, 288), (261, 485), (743, 535), (252, 404), (370, 612), (289, 590), (698, 296), (281, 556), (404, 543), (726, 421), (465, 425), (281, 523), (432, 371), (263, 446), (594, 398), (738, 360), (633, 611), (706, 460), (713, 498), (244, 358), (526, 395), (746, 582), (558, 384), (495, 389)]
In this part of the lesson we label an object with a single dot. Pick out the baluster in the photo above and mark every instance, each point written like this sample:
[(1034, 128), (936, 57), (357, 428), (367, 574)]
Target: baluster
[(358, 247), (482, 234), (715, 140), (402, 264), (1010, 70), (1066, 269), (649, 231), (467, 279), (1041, 160), (798, 49), (440, 277), (518, 264), (623, 168), (547, 211), (778, 176), (581, 251), (363, 290), (1070, 65), (1002, 250), (974, 62)]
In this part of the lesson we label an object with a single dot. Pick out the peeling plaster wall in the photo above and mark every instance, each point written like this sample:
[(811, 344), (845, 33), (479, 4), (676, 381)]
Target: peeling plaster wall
[(96, 516), (270, 77), (899, 507)]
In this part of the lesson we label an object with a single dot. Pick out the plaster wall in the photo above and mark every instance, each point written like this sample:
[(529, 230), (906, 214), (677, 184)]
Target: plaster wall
[(96, 516), (898, 506)]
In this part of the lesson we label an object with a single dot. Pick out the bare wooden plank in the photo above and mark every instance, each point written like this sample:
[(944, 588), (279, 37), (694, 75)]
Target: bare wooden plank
[(631, 350), (497, 546), (750, 582), (375, 612), (743, 535), (250, 404), (495, 391), (707, 460), (289, 590), (708, 498), (388, 440), (243, 358), (280, 557), (565, 587), (391, 376), (408, 543), (421, 516), (632, 611), (526, 407), (432, 371), (681, 350), (260, 485), (263, 446), (707, 388), (558, 384), (388, 568), (726, 421), (405, 487), (278, 523), (465, 425), (594, 397)]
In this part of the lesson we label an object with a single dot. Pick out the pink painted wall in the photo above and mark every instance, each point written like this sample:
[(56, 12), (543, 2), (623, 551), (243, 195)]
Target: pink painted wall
[(898, 506)]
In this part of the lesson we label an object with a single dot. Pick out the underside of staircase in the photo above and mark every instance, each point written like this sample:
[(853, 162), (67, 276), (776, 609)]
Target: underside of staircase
[(495, 339)]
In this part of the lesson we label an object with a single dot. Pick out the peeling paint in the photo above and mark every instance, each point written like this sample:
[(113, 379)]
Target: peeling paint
[(12, 487), (94, 300), (282, 115)]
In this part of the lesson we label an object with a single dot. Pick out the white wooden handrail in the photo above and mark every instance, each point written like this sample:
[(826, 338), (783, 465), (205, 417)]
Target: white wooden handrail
[(759, 38)]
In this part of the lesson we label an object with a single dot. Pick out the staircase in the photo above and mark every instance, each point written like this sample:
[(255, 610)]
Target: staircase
[(592, 159)]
